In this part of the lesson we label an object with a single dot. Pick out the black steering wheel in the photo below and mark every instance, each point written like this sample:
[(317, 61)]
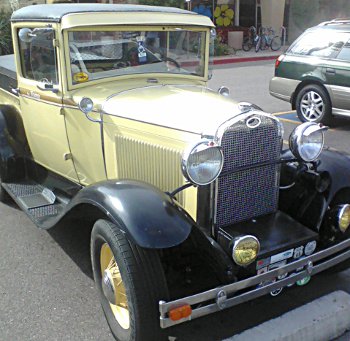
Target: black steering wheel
[(171, 60)]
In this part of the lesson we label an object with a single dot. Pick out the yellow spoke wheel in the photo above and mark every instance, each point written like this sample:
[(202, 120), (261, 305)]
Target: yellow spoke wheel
[(130, 281), (113, 287)]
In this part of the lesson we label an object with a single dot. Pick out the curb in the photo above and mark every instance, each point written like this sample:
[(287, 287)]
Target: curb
[(243, 59), (324, 319)]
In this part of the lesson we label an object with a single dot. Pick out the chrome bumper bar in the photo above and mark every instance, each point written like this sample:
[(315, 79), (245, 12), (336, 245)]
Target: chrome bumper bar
[(223, 297)]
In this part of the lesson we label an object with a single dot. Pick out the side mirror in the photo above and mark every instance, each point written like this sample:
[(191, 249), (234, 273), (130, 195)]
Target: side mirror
[(26, 35)]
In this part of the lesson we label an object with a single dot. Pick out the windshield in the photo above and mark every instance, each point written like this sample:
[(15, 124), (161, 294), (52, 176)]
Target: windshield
[(101, 54)]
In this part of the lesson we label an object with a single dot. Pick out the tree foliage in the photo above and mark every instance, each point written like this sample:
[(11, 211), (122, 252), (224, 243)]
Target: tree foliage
[(5, 33)]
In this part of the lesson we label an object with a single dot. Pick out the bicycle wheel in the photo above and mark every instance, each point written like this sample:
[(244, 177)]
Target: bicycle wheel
[(258, 44), (264, 44), (276, 43), (247, 44)]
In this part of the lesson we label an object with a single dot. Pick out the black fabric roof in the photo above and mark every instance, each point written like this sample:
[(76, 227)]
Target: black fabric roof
[(54, 13)]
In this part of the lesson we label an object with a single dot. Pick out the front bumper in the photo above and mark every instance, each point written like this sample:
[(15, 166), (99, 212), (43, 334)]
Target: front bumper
[(224, 297)]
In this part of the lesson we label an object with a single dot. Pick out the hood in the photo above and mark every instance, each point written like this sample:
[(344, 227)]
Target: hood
[(190, 108)]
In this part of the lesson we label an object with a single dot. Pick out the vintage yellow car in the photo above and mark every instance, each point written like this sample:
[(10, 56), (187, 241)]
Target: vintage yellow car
[(105, 116)]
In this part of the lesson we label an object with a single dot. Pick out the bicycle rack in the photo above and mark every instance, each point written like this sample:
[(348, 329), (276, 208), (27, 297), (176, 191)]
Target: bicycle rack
[(283, 33)]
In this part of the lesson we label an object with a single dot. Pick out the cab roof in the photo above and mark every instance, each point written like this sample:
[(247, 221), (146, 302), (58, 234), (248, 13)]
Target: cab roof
[(55, 12), (88, 15)]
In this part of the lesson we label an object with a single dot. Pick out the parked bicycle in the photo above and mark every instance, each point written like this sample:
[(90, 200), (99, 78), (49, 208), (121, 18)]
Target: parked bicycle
[(250, 40), (268, 39)]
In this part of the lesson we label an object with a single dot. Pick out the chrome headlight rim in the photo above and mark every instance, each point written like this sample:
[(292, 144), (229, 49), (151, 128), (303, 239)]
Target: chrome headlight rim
[(86, 105), (207, 144), (241, 239), (296, 140)]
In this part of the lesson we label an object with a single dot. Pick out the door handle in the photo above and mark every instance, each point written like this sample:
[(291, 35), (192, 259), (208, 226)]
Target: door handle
[(330, 71), (15, 91)]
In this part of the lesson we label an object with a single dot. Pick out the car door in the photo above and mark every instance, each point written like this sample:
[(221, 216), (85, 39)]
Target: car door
[(40, 93), (337, 75)]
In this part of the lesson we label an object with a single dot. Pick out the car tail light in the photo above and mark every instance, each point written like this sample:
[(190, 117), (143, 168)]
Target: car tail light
[(278, 61)]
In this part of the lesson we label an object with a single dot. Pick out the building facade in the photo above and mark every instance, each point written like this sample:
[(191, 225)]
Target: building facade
[(233, 15)]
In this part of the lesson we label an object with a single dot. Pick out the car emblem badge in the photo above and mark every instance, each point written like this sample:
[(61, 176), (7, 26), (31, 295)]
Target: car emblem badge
[(253, 122)]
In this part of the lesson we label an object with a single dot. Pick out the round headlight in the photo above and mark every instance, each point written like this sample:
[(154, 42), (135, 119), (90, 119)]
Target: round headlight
[(202, 163), (86, 105), (306, 141), (245, 250)]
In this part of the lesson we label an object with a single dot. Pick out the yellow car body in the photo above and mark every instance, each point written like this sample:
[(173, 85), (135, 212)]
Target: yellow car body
[(64, 141)]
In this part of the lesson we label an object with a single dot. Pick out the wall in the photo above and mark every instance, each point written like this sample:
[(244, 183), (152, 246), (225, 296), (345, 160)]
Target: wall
[(272, 14), (304, 14)]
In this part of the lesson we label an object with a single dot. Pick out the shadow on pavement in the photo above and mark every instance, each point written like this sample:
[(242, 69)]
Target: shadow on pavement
[(74, 239)]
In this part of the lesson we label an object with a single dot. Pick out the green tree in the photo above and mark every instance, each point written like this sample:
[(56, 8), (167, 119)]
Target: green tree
[(5, 33)]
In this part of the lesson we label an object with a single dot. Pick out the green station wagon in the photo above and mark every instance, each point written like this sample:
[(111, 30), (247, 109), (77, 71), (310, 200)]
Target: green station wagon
[(314, 74)]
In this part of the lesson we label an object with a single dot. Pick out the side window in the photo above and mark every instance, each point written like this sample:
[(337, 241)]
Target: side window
[(321, 43), (38, 55), (344, 54)]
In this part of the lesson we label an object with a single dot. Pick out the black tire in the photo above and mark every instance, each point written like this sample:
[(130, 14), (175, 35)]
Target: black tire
[(276, 43), (4, 196), (258, 44), (247, 45), (142, 277), (313, 104)]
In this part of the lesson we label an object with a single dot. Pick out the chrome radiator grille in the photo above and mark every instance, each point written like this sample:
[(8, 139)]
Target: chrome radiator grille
[(248, 186)]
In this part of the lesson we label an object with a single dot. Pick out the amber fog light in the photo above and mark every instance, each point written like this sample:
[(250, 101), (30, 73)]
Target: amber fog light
[(343, 217), (245, 250)]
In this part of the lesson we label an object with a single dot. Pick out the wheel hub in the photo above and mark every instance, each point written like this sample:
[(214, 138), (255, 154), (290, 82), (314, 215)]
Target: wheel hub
[(108, 286), (312, 106)]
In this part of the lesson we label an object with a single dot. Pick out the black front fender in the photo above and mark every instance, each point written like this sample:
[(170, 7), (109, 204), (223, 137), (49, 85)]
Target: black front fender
[(310, 210), (337, 164), (148, 216)]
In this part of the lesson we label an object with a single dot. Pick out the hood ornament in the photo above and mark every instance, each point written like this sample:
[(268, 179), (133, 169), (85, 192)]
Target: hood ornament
[(253, 122)]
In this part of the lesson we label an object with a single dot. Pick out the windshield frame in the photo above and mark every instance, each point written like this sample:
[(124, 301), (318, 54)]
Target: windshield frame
[(136, 28)]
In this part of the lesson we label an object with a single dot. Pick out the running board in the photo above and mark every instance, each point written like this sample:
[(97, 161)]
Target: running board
[(38, 202)]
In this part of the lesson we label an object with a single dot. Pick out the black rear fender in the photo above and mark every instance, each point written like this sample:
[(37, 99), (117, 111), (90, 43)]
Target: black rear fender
[(13, 144)]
